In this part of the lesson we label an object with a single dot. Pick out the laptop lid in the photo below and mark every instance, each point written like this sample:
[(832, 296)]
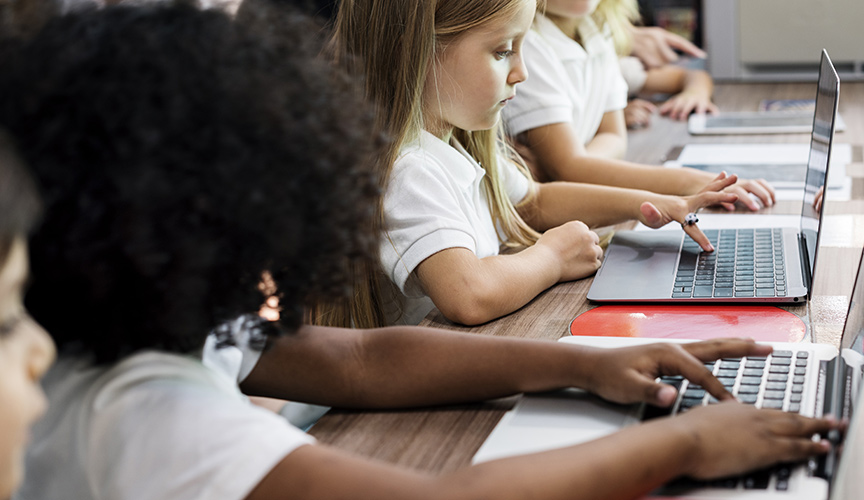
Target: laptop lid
[(640, 266), (850, 456), (821, 140)]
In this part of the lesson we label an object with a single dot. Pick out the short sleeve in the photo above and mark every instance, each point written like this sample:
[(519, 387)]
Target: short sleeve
[(515, 181), (170, 439), (634, 74), (423, 215), (617, 97), (541, 99)]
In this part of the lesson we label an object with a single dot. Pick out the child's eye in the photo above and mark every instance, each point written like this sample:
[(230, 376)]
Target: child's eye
[(504, 54)]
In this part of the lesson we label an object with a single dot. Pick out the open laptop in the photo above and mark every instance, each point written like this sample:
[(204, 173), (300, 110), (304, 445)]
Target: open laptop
[(749, 265), (810, 379), (754, 122)]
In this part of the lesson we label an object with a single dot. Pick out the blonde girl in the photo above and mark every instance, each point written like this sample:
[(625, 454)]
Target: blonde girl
[(568, 116), (439, 74)]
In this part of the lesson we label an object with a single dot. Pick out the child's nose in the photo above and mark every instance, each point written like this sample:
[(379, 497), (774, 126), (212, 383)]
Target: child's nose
[(519, 73)]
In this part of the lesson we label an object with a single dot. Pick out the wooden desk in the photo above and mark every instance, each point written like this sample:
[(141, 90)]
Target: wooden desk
[(444, 439)]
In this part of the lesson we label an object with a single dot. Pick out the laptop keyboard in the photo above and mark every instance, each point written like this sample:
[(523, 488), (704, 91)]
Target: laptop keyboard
[(776, 381), (745, 263)]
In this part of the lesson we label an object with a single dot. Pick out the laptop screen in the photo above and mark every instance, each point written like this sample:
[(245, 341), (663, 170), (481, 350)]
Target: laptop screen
[(828, 88), (853, 330)]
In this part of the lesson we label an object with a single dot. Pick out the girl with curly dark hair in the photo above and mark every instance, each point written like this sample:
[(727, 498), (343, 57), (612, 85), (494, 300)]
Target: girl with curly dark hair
[(194, 168)]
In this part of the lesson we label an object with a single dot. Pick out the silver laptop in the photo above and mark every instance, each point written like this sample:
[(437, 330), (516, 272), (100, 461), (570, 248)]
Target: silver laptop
[(754, 122), (748, 264), (810, 379)]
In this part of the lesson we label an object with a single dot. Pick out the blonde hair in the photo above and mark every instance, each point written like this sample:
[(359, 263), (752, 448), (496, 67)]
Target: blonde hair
[(620, 16), (394, 44)]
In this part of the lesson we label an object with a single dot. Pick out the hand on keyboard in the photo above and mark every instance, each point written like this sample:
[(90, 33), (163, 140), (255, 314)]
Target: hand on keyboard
[(731, 438), (628, 375)]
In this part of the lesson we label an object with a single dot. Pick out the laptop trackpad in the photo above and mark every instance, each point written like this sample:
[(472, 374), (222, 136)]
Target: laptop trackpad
[(638, 266), (572, 409), (553, 420), (574, 416)]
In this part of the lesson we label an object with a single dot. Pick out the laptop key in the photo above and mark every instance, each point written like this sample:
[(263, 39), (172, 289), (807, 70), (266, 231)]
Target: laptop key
[(749, 399), (723, 292), (764, 292), (702, 291)]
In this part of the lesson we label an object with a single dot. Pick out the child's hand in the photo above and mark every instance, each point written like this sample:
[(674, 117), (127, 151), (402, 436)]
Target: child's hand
[(627, 375), (576, 247), (638, 113), (760, 188), (758, 438), (679, 106), (663, 209)]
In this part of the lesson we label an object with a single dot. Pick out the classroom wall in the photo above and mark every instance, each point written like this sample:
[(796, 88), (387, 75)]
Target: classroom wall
[(782, 39)]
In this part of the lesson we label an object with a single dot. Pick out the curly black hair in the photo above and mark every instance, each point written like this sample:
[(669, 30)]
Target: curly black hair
[(181, 154)]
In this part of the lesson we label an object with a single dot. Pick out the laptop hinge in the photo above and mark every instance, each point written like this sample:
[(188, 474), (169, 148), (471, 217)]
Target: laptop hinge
[(835, 404), (804, 254)]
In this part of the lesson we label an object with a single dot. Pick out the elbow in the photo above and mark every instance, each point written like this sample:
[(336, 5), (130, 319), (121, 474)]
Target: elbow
[(471, 309)]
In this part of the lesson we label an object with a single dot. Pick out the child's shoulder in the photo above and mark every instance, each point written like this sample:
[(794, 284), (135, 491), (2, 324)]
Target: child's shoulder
[(424, 152)]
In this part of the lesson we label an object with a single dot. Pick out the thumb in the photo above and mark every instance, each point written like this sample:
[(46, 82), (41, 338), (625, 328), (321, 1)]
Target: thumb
[(661, 395), (651, 216)]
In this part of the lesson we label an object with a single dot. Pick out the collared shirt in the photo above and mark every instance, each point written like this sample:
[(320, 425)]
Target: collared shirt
[(567, 82), (436, 200)]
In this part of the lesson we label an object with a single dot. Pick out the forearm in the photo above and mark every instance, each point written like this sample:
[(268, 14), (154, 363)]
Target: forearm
[(624, 174), (610, 140), (607, 145), (596, 206), (398, 367), (699, 82), (471, 290), (616, 466)]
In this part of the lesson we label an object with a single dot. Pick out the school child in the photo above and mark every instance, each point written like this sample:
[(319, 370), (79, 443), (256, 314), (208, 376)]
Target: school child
[(26, 351), (690, 90), (171, 192), (439, 81), (568, 114)]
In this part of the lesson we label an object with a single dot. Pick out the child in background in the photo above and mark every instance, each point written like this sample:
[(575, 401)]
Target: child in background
[(26, 351), (167, 197), (692, 89), (440, 73), (568, 114)]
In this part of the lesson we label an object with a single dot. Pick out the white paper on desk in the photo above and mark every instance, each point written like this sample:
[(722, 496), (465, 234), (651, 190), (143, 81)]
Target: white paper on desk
[(771, 154)]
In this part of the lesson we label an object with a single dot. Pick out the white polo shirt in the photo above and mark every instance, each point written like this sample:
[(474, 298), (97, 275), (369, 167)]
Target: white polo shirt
[(435, 200), (154, 426), (634, 74), (566, 81)]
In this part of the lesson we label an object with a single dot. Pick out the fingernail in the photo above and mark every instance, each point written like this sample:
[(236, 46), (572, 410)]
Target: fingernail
[(666, 395)]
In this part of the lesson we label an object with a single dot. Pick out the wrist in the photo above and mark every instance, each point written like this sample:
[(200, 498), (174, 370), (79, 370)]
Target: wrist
[(685, 444), (551, 268), (695, 181)]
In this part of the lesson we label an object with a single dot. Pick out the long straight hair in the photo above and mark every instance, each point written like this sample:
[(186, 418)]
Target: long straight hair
[(619, 16), (394, 44)]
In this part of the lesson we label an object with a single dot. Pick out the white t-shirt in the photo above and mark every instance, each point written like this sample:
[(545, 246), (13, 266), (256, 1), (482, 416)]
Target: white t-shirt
[(634, 74), (435, 200), (154, 426), (567, 83)]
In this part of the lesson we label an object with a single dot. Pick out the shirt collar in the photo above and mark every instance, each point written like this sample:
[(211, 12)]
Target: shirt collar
[(453, 157), (565, 47)]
